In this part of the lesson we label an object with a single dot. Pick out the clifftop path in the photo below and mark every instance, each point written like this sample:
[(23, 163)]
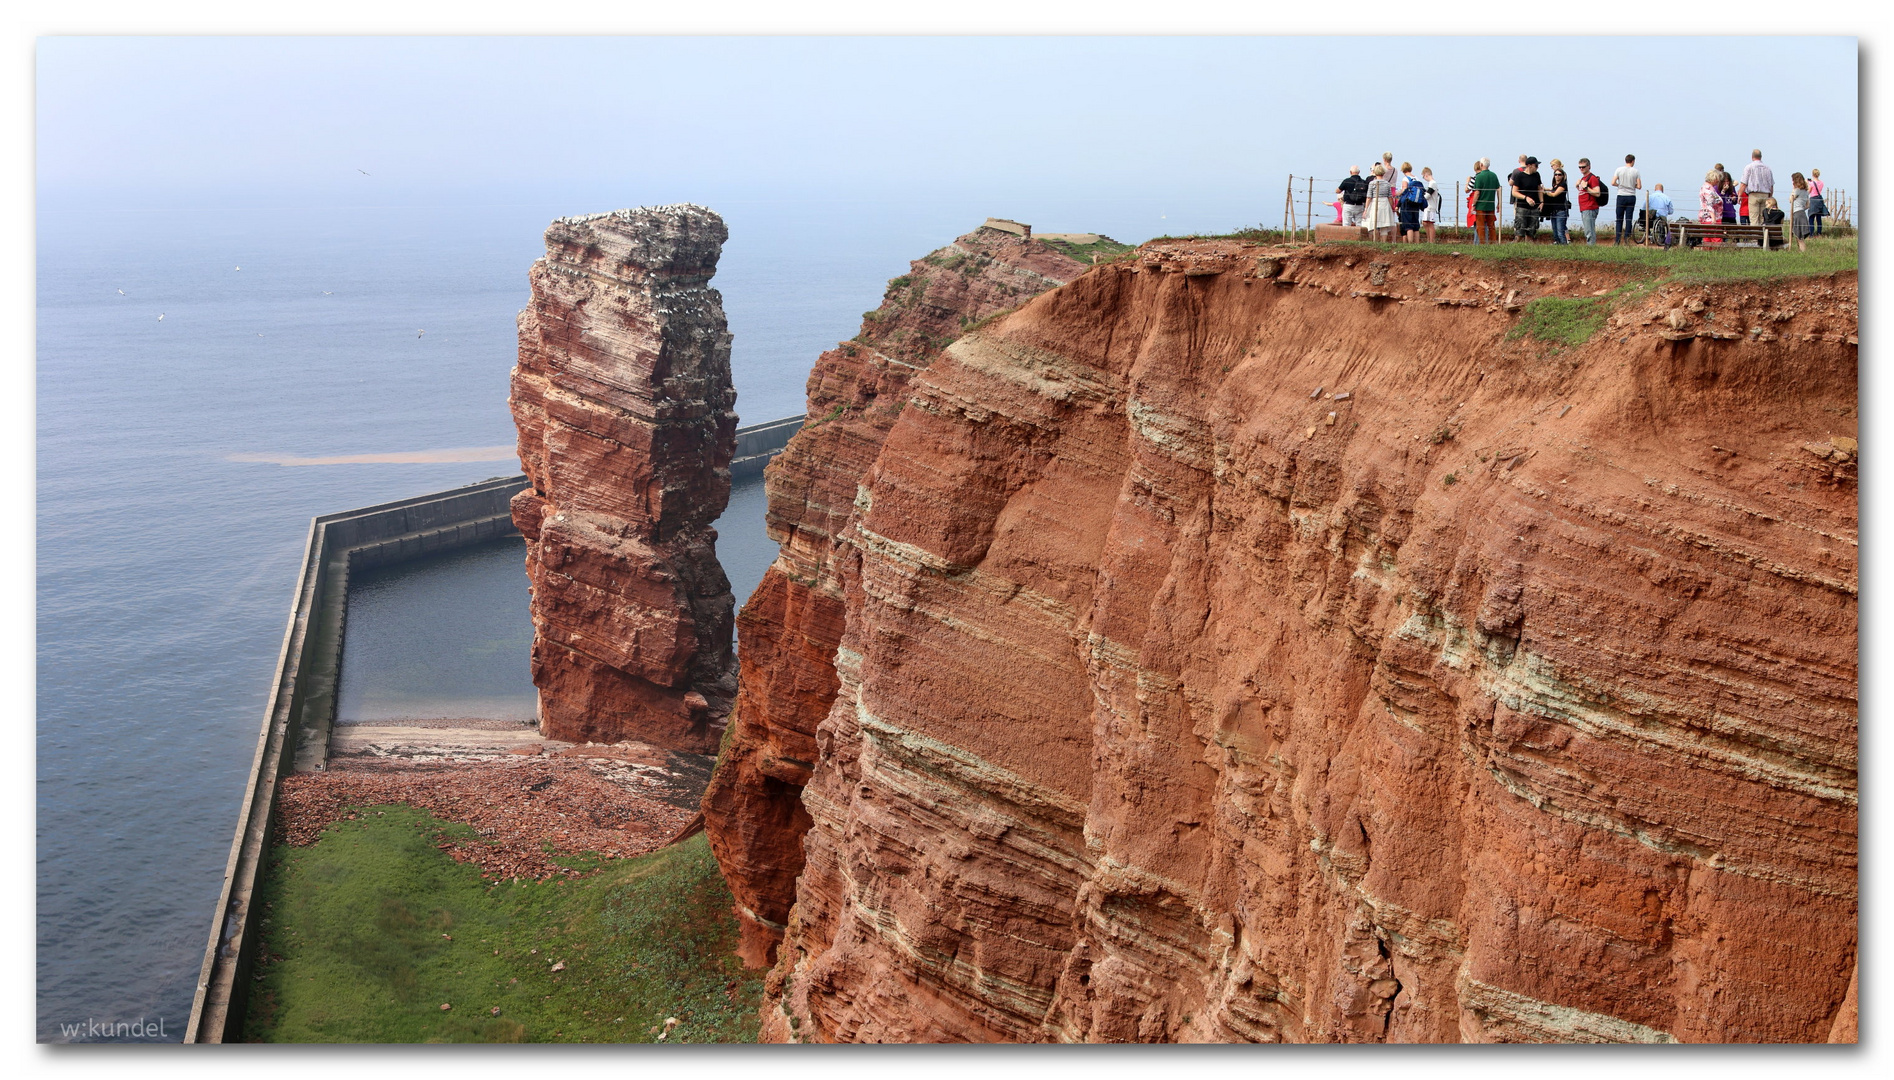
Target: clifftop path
[(624, 404), (1257, 644)]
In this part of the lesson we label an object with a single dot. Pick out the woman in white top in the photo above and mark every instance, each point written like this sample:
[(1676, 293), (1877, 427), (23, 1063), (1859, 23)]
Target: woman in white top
[(1380, 217), (1430, 213)]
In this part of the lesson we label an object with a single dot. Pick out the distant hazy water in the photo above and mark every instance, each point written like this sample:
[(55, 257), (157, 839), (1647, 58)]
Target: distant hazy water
[(164, 569)]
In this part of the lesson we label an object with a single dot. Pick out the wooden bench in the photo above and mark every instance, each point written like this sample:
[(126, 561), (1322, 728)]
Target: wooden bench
[(1693, 233)]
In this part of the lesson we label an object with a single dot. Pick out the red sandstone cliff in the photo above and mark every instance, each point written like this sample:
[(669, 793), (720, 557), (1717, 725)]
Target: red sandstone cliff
[(792, 624), (1119, 684), (624, 403)]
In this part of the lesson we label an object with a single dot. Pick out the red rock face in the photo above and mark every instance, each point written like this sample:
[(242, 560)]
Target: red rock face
[(1499, 691), (792, 624), (624, 403)]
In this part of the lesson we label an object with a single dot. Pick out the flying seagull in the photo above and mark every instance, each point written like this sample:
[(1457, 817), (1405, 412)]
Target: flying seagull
[(161, 318), (364, 172), (121, 292), (326, 292), (239, 267), (418, 333)]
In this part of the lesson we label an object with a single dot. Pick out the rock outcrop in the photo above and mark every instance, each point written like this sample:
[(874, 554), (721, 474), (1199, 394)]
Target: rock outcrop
[(1247, 644), (626, 424), (791, 625)]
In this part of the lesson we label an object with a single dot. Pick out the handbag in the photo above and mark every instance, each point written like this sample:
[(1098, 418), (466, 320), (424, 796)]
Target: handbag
[(1817, 207)]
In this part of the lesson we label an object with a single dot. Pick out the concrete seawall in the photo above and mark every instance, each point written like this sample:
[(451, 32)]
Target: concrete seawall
[(302, 701), (301, 707), (756, 445)]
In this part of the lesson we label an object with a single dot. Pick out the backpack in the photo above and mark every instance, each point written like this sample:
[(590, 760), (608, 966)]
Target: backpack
[(1599, 191), (1415, 194)]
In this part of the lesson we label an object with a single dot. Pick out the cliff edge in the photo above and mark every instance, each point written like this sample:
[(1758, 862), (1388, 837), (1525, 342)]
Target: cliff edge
[(792, 624), (1237, 644)]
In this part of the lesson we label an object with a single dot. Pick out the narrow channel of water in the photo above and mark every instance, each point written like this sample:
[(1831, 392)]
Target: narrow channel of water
[(451, 637)]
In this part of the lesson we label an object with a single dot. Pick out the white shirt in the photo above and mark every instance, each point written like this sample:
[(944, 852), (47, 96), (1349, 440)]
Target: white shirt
[(1625, 181)]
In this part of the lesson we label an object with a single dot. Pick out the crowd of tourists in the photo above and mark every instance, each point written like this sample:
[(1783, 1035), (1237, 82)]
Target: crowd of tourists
[(1397, 205)]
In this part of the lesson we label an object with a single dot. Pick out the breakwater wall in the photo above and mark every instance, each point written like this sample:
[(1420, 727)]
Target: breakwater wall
[(301, 706), (757, 444)]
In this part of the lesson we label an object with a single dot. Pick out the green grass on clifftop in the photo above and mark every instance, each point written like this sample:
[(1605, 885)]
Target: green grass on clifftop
[(1824, 256), (1106, 248), (371, 929)]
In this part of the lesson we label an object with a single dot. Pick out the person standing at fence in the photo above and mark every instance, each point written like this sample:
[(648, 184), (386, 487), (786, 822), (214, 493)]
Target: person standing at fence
[(1818, 204), (1380, 219), (1393, 178), (1430, 214), (1558, 202), (1354, 194), (1412, 199), (1727, 186), (1759, 183), (1626, 183), (1527, 203), (1485, 184), (1799, 210), (1711, 198), (1593, 196)]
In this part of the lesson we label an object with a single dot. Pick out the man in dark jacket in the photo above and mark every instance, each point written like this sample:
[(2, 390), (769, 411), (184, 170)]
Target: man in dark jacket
[(1354, 192)]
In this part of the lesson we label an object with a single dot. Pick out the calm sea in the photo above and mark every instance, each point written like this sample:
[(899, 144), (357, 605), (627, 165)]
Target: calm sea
[(165, 567)]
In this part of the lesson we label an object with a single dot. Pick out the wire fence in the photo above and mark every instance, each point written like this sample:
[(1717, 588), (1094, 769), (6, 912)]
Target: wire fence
[(1309, 201)]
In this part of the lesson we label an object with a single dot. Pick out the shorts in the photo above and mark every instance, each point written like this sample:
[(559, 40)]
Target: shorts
[(1431, 216)]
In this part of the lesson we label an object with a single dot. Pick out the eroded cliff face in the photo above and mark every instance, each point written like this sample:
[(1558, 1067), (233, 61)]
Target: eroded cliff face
[(1273, 648), (791, 625), (624, 404)]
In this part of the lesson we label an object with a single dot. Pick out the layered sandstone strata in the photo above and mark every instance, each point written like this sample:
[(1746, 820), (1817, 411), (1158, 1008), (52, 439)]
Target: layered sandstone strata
[(624, 406), (1284, 648), (792, 624)]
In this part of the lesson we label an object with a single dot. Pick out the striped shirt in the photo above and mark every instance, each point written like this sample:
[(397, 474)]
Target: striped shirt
[(1758, 180)]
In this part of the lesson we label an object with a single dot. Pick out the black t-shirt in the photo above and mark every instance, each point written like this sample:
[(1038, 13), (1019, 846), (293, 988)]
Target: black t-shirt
[(1562, 201), (1528, 185), (1354, 190)]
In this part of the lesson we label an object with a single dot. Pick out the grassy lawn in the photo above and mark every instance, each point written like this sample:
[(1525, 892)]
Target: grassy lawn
[(1824, 256), (1105, 249), (371, 929)]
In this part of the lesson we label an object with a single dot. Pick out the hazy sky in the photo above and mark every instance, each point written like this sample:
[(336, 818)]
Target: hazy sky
[(1135, 136)]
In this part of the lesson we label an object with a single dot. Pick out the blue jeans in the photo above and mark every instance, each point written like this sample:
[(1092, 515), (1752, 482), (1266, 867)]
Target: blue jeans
[(1588, 221), (1817, 219), (1627, 210), (1559, 218)]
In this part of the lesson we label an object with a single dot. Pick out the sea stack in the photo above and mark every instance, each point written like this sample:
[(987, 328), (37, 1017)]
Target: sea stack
[(626, 419)]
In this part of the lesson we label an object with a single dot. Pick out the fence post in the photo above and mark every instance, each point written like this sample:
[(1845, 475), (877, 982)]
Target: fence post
[(1311, 217), (1289, 206)]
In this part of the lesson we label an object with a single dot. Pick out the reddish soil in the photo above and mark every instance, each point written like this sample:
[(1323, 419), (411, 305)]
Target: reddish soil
[(610, 800)]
